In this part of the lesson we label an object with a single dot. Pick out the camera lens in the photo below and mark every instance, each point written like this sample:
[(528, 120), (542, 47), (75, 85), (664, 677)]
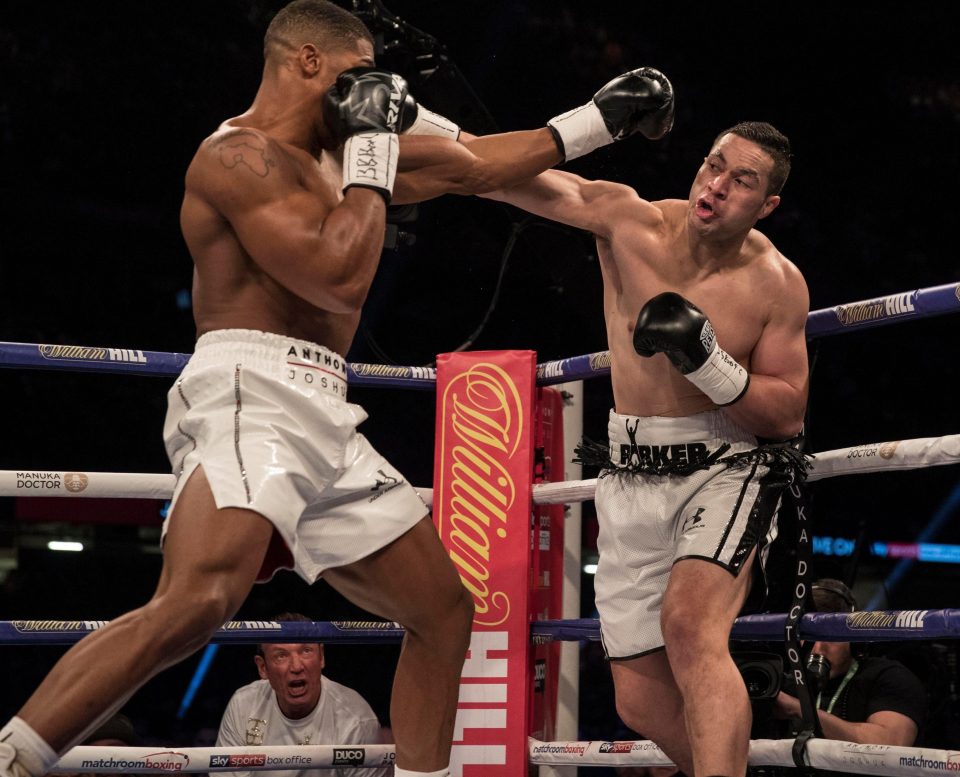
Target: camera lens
[(760, 681)]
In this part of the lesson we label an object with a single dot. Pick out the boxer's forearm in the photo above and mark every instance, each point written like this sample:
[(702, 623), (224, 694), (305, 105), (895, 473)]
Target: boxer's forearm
[(431, 166)]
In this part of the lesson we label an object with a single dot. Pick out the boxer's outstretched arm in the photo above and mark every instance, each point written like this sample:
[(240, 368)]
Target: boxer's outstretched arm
[(640, 101), (596, 206), (431, 166)]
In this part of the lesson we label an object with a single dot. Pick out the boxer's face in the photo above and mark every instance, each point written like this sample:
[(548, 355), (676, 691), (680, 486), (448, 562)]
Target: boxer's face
[(335, 61), (729, 193), (293, 672), (360, 54)]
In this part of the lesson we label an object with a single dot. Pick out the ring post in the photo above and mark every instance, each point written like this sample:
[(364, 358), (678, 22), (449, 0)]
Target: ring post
[(546, 566), (482, 506)]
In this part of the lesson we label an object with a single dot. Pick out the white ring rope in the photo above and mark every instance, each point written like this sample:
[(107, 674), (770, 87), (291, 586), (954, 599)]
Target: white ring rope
[(821, 754), (859, 459), (176, 760)]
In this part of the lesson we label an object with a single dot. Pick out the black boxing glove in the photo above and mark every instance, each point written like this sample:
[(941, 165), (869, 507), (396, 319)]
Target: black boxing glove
[(364, 110), (638, 101), (674, 326)]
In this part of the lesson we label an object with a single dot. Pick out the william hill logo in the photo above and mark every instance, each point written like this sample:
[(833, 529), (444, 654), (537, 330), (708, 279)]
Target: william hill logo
[(600, 361), (875, 309), (904, 619), (83, 353), (911, 619), (481, 421)]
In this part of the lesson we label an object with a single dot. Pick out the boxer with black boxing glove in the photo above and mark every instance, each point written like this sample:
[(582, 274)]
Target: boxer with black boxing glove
[(638, 101), (705, 323), (285, 242), (363, 111), (675, 327)]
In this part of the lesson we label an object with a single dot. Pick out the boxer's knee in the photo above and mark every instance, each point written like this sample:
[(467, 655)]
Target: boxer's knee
[(447, 623), (649, 715), (180, 625)]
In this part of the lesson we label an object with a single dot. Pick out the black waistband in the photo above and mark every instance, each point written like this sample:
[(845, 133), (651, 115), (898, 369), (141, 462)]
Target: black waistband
[(661, 459)]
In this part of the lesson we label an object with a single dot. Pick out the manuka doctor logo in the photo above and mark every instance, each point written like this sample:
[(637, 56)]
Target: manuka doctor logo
[(75, 482), (40, 481)]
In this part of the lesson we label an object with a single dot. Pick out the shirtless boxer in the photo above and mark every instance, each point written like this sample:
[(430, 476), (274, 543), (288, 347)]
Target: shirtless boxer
[(258, 426), (705, 321)]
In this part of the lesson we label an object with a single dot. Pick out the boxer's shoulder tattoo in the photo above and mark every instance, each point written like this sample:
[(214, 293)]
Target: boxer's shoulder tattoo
[(244, 149)]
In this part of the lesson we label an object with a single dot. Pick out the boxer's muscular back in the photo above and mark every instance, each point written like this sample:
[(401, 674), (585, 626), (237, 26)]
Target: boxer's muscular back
[(231, 289), (639, 262)]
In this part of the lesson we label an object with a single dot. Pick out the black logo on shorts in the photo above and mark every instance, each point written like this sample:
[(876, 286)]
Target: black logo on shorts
[(387, 482), (383, 484), (693, 521)]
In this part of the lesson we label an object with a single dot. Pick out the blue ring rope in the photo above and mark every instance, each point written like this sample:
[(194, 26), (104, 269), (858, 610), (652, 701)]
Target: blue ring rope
[(864, 626), (864, 314)]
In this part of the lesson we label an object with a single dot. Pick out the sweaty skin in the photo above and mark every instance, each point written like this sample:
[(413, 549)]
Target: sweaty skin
[(272, 250), (705, 249), (689, 697), (277, 247)]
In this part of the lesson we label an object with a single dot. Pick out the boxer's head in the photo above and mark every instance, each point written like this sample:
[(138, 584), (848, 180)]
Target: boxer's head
[(316, 22), (772, 141)]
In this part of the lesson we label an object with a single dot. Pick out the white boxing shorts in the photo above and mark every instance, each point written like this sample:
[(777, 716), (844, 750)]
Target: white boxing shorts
[(266, 417), (648, 521)]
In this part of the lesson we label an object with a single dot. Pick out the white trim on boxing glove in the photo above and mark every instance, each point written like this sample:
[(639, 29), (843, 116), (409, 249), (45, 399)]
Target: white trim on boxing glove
[(720, 377), (430, 123), (580, 131), (370, 160)]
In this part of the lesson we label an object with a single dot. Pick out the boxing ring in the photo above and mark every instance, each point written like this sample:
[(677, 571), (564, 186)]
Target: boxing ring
[(484, 710)]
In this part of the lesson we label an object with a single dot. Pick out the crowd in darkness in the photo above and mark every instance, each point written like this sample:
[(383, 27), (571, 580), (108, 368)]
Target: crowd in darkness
[(101, 110)]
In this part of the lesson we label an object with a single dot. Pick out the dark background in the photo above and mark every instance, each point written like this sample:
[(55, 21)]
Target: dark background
[(102, 106)]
